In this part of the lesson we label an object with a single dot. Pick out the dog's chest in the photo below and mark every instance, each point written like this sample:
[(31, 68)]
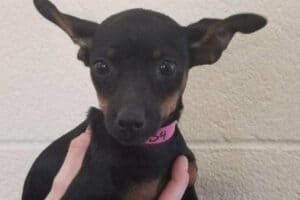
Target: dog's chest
[(112, 171), (125, 175)]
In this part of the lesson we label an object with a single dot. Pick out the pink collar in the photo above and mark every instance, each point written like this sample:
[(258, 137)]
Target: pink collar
[(163, 134)]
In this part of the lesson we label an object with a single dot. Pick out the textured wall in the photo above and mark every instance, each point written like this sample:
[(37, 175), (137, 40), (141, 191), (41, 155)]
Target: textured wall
[(242, 115)]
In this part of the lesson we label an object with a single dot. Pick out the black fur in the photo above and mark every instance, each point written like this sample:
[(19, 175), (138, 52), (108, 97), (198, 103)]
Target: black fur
[(109, 168), (139, 62)]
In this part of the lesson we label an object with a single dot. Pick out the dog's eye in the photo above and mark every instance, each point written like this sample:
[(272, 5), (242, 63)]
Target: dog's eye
[(167, 68), (102, 67)]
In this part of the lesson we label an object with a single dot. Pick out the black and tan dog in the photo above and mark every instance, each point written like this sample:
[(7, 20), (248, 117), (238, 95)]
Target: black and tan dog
[(139, 62)]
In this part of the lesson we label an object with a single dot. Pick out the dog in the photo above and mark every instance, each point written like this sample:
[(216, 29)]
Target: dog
[(139, 62)]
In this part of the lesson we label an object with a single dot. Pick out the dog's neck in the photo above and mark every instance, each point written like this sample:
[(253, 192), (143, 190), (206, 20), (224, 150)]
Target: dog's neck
[(162, 135)]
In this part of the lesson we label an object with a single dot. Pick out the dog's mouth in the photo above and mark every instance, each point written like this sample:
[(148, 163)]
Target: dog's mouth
[(130, 137)]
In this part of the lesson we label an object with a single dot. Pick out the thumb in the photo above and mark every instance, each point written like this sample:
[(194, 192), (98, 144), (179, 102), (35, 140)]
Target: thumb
[(179, 181), (71, 166)]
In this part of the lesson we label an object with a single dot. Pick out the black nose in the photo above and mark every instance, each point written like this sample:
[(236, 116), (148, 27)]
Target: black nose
[(130, 121)]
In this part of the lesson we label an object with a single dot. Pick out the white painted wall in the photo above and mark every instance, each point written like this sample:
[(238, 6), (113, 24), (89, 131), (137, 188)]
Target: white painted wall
[(242, 115)]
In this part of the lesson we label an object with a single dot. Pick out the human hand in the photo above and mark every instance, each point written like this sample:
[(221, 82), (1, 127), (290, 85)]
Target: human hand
[(73, 161), (71, 166), (179, 180)]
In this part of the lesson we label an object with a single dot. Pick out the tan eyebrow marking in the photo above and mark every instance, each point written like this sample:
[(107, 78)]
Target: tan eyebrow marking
[(157, 54), (110, 53)]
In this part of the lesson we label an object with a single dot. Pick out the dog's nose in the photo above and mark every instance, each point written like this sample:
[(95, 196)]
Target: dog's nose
[(131, 121)]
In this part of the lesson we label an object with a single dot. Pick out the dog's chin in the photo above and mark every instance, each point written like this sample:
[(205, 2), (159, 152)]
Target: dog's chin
[(129, 142), (127, 138)]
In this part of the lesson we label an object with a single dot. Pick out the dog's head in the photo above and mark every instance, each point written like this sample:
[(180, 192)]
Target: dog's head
[(139, 61)]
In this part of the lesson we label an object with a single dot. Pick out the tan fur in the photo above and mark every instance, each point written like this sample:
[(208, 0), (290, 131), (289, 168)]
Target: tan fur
[(65, 26), (149, 190), (193, 172), (169, 104), (156, 54), (144, 191), (102, 103), (111, 53)]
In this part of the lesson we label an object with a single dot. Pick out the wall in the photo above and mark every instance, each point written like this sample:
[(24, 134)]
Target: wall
[(242, 115)]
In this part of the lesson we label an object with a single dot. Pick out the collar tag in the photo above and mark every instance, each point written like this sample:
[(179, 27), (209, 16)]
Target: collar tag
[(163, 134)]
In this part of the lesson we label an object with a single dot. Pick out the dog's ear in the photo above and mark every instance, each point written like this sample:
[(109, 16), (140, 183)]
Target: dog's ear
[(208, 38), (81, 31)]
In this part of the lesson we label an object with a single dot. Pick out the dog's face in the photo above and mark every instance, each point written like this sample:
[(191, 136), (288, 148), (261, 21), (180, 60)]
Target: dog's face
[(139, 62)]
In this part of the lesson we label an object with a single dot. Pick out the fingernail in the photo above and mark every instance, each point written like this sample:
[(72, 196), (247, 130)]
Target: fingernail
[(88, 129), (185, 162)]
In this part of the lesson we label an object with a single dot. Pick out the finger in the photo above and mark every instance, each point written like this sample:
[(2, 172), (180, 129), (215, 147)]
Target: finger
[(179, 180), (71, 165)]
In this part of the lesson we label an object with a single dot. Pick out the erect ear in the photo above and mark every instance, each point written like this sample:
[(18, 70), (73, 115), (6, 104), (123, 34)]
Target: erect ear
[(81, 31), (208, 38)]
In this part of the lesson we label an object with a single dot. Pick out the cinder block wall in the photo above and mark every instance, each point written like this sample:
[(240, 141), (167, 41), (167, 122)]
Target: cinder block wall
[(242, 115)]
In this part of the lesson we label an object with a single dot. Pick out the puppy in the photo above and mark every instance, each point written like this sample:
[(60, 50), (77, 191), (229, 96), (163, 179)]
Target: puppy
[(139, 62)]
